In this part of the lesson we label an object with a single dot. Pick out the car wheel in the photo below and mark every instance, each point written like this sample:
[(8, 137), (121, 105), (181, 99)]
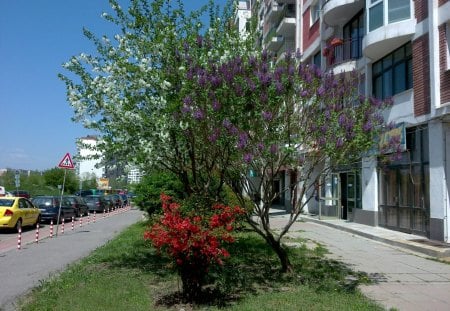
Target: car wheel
[(38, 220), (18, 225)]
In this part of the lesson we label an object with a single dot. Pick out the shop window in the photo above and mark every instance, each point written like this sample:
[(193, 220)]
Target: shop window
[(393, 73)]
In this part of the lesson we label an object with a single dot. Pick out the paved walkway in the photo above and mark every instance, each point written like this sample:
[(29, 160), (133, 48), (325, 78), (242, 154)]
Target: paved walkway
[(405, 278)]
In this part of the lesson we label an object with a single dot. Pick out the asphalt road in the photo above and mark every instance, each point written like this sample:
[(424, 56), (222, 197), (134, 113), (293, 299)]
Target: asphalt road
[(21, 270)]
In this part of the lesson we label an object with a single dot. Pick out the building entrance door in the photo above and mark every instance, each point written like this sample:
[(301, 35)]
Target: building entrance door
[(349, 194)]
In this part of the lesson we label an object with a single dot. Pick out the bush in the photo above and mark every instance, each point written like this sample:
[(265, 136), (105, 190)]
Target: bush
[(149, 189)]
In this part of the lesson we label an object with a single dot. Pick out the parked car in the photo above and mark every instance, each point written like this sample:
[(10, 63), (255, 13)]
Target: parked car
[(117, 199), (96, 203), (21, 193), (79, 204), (124, 199), (49, 206), (17, 212), (110, 200)]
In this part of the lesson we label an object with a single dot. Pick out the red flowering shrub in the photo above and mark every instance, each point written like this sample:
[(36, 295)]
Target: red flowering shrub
[(194, 242)]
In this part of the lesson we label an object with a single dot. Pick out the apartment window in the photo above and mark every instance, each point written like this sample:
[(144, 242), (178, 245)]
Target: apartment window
[(398, 10), (393, 73), (315, 13), (376, 12), (395, 10), (353, 35)]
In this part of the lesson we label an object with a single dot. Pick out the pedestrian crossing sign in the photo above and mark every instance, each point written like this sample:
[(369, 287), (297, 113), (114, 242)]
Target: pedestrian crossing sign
[(66, 162)]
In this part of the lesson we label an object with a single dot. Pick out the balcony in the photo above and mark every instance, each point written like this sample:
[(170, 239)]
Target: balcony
[(385, 39), (343, 57), (273, 41), (337, 12), (286, 23), (274, 11)]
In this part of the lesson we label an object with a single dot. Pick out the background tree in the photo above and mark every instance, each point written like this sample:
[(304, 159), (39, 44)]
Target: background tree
[(55, 177)]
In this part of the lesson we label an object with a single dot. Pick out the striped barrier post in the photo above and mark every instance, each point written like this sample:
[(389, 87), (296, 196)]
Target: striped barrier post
[(104, 213), (89, 219), (51, 228), (19, 238), (62, 226), (94, 216), (73, 222), (81, 221), (37, 233)]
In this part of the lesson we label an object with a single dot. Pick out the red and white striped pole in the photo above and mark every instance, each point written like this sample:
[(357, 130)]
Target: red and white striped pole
[(51, 228), (73, 222), (94, 216), (37, 233), (62, 226), (104, 213), (19, 238), (81, 221), (89, 218)]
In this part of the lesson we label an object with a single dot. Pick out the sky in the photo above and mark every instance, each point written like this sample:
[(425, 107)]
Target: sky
[(36, 38)]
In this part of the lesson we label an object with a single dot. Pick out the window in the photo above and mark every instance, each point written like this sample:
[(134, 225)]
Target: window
[(393, 73), (315, 13), (395, 10), (376, 15), (353, 35), (398, 10)]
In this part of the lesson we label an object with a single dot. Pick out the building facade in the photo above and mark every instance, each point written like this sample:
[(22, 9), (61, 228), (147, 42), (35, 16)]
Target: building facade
[(88, 167), (401, 50)]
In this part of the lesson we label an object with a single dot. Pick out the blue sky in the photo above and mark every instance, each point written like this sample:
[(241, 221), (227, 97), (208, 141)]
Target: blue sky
[(36, 38)]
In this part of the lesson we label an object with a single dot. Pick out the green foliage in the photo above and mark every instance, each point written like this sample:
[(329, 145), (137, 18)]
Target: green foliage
[(41, 183), (148, 191), (131, 275), (55, 177)]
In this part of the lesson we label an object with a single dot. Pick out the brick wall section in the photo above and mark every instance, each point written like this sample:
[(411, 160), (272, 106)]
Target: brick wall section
[(444, 73), (421, 75), (442, 2), (421, 10), (310, 33)]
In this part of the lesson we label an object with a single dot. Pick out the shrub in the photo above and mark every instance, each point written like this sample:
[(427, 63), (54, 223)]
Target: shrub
[(194, 242)]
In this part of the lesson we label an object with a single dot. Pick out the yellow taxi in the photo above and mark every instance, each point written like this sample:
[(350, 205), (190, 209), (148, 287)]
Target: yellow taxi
[(18, 212)]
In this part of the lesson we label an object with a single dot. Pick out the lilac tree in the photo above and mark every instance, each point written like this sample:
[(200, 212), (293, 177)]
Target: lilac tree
[(265, 117)]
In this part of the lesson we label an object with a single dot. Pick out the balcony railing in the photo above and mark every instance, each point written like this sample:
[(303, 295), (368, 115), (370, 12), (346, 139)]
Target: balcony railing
[(350, 49)]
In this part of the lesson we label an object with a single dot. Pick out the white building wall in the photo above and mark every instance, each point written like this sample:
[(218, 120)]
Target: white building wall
[(88, 167)]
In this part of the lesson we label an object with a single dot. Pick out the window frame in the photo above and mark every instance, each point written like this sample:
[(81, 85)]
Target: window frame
[(388, 66)]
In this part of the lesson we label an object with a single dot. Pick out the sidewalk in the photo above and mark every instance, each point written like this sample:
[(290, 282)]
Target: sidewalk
[(404, 276)]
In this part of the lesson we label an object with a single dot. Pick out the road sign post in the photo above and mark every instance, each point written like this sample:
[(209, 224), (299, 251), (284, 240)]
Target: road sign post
[(66, 163)]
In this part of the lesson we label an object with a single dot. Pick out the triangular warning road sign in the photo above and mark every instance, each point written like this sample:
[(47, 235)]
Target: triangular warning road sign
[(66, 162)]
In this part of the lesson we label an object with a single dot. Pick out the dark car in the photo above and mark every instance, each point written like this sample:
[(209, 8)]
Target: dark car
[(21, 193), (124, 199), (117, 199), (49, 206), (79, 204), (96, 203), (111, 201)]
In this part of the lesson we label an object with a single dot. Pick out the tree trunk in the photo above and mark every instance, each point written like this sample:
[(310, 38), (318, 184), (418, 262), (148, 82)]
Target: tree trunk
[(286, 266)]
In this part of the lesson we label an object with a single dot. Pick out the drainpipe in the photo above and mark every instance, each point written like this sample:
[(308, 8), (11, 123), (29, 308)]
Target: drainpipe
[(298, 27)]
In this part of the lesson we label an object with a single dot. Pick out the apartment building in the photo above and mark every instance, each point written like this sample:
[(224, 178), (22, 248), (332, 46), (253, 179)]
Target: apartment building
[(401, 50)]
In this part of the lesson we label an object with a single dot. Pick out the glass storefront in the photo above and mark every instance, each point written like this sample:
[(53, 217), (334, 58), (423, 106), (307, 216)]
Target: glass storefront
[(404, 187)]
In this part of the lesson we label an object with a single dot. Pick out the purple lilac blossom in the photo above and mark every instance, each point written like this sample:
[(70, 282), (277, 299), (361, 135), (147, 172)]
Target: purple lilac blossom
[(267, 115), (248, 157), (273, 148)]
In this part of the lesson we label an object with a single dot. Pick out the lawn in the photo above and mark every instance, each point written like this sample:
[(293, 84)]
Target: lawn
[(127, 274)]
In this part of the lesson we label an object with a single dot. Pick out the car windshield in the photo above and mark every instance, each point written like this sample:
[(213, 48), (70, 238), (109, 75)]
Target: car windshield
[(43, 201), (6, 202)]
